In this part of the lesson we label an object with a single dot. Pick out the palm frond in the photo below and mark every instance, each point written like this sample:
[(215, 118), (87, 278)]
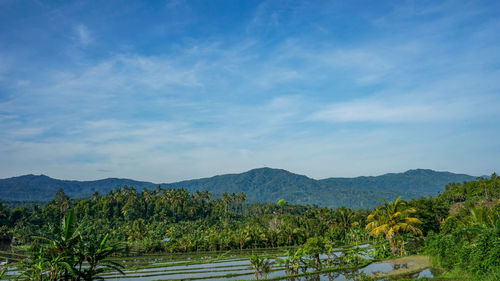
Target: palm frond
[(390, 233), (413, 220), (371, 225), (395, 215), (379, 230)]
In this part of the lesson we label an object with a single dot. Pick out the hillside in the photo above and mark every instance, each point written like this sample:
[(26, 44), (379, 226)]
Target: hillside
[(43, 188), (266, 184), (260, 185)]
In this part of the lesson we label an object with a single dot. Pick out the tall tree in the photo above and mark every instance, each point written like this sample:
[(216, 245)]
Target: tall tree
[(391, 219)]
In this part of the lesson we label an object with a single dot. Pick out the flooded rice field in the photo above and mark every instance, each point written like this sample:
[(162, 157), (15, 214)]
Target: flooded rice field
[(236, 266)]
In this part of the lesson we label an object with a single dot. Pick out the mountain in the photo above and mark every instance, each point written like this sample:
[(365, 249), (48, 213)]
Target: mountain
[(43, 188), (260, 185), (266, 184)]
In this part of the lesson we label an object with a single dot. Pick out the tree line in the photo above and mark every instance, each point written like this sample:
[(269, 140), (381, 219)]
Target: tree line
[(461, 225)]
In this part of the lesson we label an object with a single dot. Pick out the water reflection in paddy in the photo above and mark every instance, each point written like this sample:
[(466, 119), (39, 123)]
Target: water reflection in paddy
[(239, 268)]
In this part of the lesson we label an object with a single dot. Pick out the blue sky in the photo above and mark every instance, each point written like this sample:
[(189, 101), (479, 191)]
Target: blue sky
[(171, 90)]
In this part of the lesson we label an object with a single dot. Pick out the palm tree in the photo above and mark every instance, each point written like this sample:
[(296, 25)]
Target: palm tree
[(261, 266), (185, 243), (345, 219), (255, 234), (391, 219), (480, 216), (207, 195), (271, 236), (241, 198), (241, 237), (226, 198)]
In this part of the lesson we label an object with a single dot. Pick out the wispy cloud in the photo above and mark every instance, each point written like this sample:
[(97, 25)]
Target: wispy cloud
[(316, 89), (423, 107), (84, 35)]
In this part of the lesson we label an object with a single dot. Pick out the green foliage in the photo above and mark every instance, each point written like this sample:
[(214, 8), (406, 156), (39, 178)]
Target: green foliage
[(193, 222), (5, 233), (431, 212), (382, 251), (392, 220), (68, 254), (480, 189), (314, 247), (467, 235), (351, 256), (282, 203), (260, 265), (95, 255), (470, 238), (3, 271), (476, 249)]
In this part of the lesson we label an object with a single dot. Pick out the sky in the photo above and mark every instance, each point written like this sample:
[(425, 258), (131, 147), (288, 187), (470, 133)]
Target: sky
[(171, 90)]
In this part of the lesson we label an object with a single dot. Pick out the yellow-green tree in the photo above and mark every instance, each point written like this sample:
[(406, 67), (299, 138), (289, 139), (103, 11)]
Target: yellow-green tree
[(393, 218)]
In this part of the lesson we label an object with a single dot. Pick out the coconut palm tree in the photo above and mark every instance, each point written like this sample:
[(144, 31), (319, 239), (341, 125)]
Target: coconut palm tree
[(480, 216), (391, 219), (345, 219), (226, 198), (241, 198), (255, 233), (271, 236), (240, 237)]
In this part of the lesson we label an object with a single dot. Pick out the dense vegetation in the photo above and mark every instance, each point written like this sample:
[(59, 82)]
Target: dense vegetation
[(192, 221), (67, 253), (469, 238), (461, 226), (260, 185)]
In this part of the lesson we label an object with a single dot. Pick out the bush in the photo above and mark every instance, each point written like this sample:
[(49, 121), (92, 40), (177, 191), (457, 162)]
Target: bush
[(475, 250)]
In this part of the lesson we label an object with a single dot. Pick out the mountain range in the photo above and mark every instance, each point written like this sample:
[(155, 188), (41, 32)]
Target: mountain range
[(260, 185)]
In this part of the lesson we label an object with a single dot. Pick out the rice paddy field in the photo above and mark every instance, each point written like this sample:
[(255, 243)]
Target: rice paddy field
[(235, 265)]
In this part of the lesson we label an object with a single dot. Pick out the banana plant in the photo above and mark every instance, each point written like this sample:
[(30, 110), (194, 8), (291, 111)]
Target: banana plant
[(261, 266), (286, 262), (95, 255), (2, 273)]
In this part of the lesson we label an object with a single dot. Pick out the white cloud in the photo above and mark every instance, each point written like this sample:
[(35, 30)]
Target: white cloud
[(84, 35), (408, 108), (219, 104), (374, 111)]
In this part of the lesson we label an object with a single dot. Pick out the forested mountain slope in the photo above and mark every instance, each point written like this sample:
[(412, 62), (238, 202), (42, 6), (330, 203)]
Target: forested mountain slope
[(43, 188), (266, 184), (260, 185)]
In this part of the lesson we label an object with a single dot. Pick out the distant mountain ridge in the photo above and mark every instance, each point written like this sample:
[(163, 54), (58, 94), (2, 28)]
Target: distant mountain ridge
[(260, 185)]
